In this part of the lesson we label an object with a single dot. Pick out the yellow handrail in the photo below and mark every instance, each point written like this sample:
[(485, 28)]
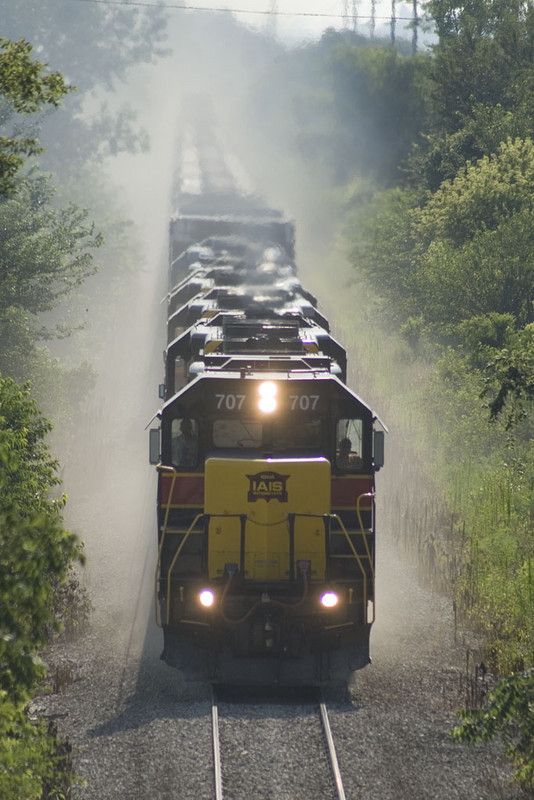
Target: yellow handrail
[(248, 519), (362, 529), (169, 573), (163, 468), (358, 559)]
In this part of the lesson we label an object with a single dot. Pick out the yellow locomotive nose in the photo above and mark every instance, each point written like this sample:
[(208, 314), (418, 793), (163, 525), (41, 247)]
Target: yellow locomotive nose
[(267, 515)]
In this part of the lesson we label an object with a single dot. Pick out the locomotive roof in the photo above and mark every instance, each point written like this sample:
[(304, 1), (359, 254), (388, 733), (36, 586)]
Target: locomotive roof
[(296, 375)]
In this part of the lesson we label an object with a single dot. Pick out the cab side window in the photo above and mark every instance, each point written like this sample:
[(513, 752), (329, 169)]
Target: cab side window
[(349, 444), (184, 437)]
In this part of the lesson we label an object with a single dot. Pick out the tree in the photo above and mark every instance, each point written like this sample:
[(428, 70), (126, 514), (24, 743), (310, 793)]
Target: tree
[(479, 87), (484, 52), (95, 45), (378, 107), (30, 758), (45, 252), (508, 714), (474, 242), (35, 550), (35, 555), (382, 248), (25, 88), (510, 378)]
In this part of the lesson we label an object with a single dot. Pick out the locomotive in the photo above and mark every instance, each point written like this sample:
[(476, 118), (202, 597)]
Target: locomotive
[(266, 464)]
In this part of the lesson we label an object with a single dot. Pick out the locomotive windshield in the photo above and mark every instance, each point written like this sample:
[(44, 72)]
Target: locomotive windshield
[(297, 433), (237, 433), (278, 435)]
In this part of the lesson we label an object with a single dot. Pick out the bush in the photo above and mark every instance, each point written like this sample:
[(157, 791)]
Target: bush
[(508, 714)]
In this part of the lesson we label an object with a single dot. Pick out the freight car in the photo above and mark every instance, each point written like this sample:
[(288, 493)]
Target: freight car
[(266, 465)]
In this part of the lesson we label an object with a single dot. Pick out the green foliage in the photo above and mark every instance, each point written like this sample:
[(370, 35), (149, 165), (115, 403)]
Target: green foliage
[(510, 378), (95, 44), (439, 155), (484, 51), (484, 335), (28, 468), (509, 714), (493, 584), (455, 411), (382, 247), (35, 550), (480, 84), (378, 108), (345, 105), (25, 88), (59, 389), (23, 81), (474, 242), (480, 197), (467, 252), (44, 252), (488, 479), (30, 757)]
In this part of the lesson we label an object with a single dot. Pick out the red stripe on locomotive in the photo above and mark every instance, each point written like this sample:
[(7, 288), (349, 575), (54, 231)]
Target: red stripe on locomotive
[(188, 490), (346, 490)]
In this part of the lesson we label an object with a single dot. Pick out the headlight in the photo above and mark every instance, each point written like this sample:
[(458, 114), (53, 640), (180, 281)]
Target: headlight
[(207, 598), (329, 599), (267, 392)]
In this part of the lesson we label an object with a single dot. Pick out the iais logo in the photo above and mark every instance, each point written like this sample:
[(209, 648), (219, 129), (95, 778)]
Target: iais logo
[(267, 486)]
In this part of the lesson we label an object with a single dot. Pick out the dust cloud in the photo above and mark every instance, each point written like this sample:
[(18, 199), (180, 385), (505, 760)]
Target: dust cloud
[(111, 487)]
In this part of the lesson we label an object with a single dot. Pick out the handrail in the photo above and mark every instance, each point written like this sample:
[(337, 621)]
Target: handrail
[(336, 517), (166, 468), (358, 559), (178, 551), (173, 562), (354, 552), (362, 529), (163, 468)]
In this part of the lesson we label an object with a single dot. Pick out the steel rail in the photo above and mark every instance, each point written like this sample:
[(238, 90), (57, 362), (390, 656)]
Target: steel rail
[(328, 739), (334, 765), (217, 771)]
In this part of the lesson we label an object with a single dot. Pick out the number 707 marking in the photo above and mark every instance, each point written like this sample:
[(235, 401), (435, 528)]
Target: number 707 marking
[(304, 402), (229, 402)]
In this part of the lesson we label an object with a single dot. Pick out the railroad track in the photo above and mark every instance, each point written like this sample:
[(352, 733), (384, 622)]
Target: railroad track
[(225, 786)]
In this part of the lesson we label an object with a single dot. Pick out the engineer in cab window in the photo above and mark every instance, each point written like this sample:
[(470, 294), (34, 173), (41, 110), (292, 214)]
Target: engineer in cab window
[(185, 445), (347, 458)]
